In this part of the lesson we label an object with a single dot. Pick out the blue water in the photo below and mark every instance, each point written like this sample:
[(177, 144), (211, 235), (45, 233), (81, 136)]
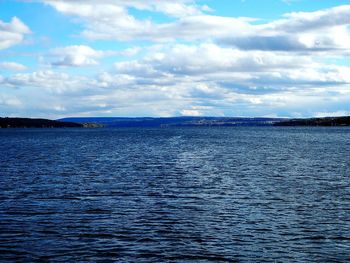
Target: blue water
[(248, 194)]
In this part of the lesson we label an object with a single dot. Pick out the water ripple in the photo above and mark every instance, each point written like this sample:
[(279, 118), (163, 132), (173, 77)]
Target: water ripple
[(175, 195)]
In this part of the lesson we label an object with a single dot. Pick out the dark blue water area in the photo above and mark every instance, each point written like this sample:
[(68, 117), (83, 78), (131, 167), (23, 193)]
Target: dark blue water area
[(263, 194)]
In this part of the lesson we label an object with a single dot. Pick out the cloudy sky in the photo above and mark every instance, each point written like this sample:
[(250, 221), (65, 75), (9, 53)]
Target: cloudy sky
[(286, 58)]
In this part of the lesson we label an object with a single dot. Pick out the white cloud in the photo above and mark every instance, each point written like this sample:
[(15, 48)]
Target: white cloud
[(191, 112), (111, 20), (208, 58), (53, 82), (12, 33), (172, 8), (9, 101), (197, 111), (176, 8), (321, 31), (133, 93), (107, 80), (225, 78), (12, 66), (82, 55), (77, 56), (129, 52), (332, 114), (324, 30), (306, 21)]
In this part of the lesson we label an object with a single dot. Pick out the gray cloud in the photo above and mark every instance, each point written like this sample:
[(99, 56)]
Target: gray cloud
[(305, 21), (270, 43)]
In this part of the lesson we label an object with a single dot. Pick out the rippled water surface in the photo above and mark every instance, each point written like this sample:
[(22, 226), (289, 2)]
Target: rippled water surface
[(175, 195)]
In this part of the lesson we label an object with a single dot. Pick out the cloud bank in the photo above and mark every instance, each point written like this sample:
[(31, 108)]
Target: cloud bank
[(194, 62)]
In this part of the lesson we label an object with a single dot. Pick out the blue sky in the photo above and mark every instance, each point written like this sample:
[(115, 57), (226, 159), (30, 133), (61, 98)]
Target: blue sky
[(286, 58)]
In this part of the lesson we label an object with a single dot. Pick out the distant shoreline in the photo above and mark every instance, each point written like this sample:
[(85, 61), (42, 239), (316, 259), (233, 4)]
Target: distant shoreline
[(115, 122), (110, 122), (323, 122), (36, 123)]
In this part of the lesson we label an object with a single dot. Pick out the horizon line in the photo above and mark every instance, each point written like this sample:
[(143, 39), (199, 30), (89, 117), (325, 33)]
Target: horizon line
[(169, 117)]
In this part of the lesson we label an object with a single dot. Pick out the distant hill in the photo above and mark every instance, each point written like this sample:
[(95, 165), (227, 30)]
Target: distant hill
[(36, 123), (327, 121), (111, 122)]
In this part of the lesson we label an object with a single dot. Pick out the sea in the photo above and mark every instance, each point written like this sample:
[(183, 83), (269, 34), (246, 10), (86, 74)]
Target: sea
[(207, 194)]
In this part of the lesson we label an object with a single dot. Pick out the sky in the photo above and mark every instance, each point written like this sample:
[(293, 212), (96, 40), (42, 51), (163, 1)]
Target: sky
[(161, 58)]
